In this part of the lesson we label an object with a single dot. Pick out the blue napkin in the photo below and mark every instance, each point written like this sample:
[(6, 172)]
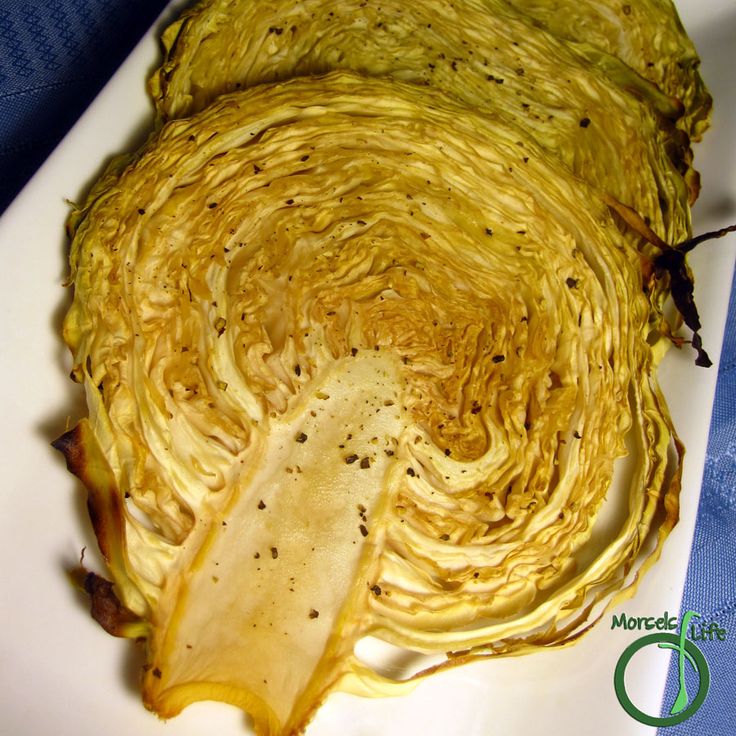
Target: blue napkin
[(56, 56), (710, 588)]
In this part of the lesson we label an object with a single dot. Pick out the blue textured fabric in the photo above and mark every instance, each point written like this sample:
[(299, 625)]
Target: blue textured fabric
[(54, 58), (710, 588)]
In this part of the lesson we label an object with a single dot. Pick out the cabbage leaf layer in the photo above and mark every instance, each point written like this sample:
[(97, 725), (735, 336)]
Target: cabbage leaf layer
[(605, 87)]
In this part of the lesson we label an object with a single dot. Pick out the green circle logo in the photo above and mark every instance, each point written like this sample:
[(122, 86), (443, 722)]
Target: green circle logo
[(683, 708)]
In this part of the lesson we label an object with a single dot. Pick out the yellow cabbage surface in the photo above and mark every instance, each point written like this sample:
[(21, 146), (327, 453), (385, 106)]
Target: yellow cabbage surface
[(361, 352)]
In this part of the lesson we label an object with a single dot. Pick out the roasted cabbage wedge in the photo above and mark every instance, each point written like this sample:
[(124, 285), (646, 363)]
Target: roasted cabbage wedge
[(537, 63), (370, 352)]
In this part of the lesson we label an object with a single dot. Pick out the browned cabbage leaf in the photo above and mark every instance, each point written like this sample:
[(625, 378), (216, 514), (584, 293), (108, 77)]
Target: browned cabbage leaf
[(361, 353)]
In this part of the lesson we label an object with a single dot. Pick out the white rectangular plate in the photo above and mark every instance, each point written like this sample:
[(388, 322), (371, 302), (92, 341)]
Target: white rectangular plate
[(61, 674)]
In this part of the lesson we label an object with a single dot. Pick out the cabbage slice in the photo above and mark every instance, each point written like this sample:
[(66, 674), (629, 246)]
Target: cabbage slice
[(605, 90), (360, 361)]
